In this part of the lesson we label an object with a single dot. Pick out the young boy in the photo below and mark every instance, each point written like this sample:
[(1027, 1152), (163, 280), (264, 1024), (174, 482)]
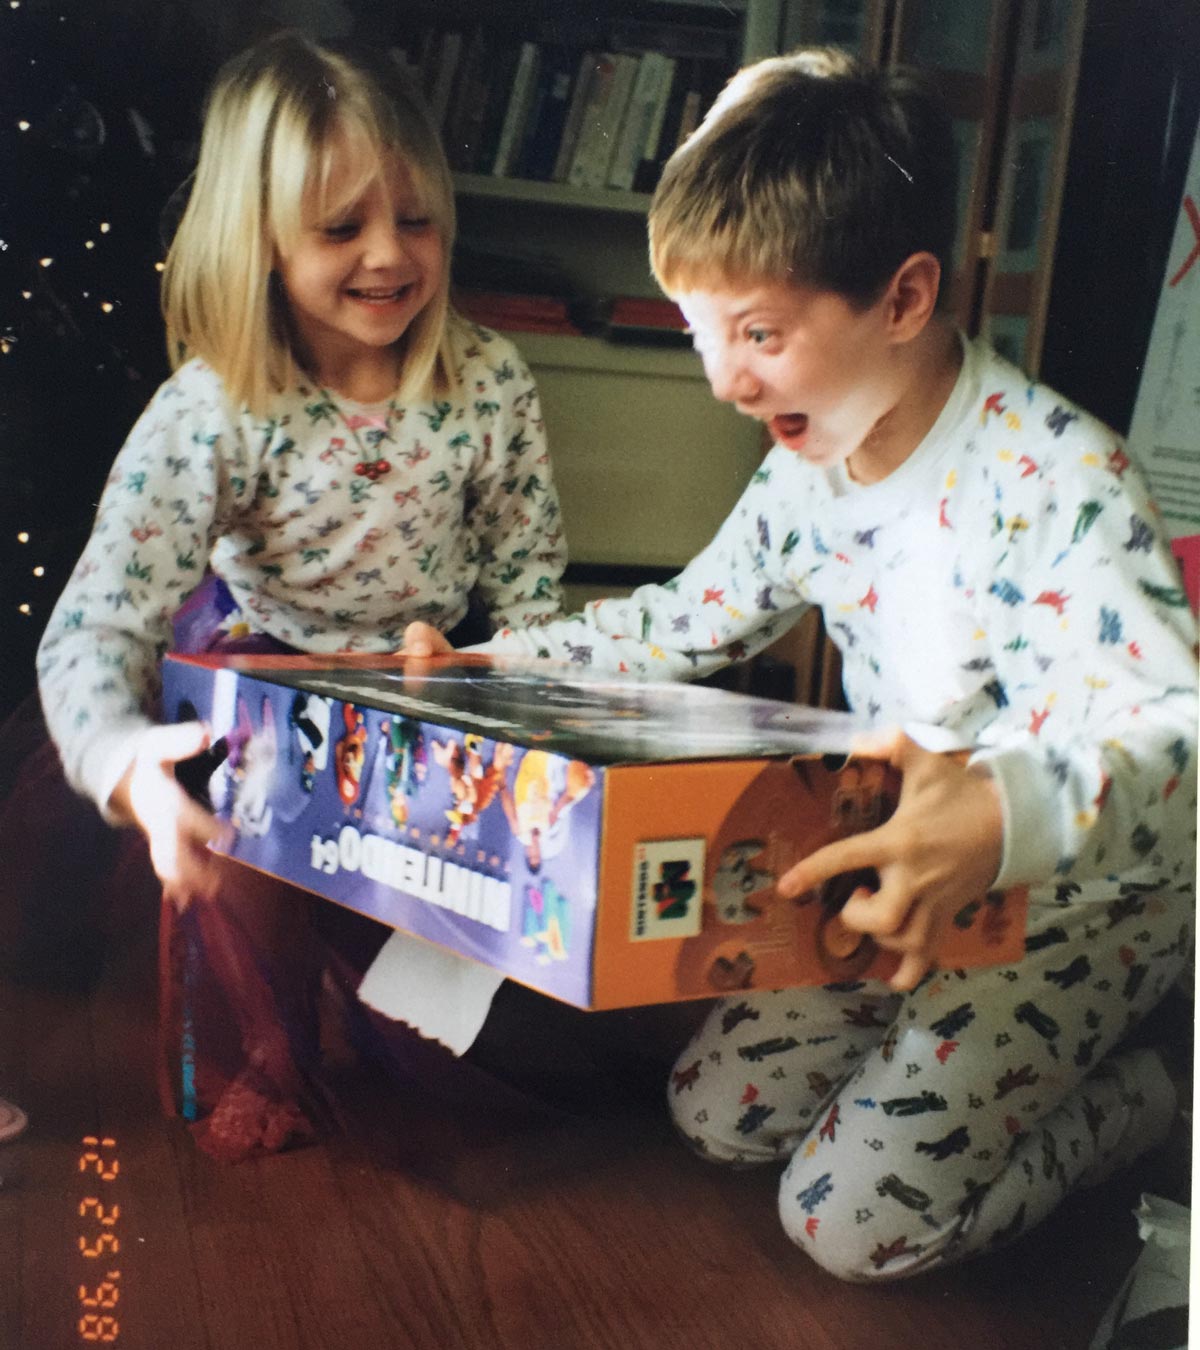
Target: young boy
[(986, 560)]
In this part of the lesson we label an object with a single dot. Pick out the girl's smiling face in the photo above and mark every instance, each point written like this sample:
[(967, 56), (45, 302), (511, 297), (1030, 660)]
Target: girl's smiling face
[(820, 373), (357, 277)]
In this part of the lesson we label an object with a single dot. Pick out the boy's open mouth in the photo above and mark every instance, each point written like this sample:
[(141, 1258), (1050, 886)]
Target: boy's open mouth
[(789, 428)]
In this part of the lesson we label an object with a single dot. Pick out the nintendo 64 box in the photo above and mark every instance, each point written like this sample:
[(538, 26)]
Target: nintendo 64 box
[(607, 842)]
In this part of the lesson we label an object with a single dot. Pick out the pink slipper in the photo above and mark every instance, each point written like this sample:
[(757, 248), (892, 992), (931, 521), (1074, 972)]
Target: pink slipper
[(12, 1121)]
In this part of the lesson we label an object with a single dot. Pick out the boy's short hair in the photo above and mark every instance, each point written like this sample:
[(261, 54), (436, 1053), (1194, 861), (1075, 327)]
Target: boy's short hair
[(278, 115), (810, 168)]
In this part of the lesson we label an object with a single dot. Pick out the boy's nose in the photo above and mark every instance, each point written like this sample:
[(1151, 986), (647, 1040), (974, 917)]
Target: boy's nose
[(731, 382)]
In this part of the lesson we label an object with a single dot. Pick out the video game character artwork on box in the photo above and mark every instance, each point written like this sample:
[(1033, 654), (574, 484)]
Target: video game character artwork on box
[(607, 842)]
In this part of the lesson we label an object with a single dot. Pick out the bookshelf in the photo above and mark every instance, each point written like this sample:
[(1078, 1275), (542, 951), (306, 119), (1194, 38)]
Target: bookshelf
[(534, 193), (647, 465)]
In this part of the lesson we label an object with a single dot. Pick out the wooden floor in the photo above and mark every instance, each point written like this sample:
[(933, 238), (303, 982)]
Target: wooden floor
[(445, 1229)]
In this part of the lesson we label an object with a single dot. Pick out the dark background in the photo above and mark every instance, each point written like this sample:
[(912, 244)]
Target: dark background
[(112, 90)]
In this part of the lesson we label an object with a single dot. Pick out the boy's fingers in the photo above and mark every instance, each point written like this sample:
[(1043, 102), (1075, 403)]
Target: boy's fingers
[(843, 855), (886, 745), (876, 912), (910, 971)]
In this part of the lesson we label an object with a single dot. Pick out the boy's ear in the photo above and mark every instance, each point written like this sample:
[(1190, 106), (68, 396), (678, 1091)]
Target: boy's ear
[(912, 295)]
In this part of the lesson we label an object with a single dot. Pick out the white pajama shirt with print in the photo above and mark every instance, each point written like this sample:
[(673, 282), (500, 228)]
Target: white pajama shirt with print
[(334, 524), (1012, 583)]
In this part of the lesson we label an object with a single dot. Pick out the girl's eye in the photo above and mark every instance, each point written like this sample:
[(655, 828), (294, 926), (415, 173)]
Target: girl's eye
[(343, 229), (759, 336), (413, 222)]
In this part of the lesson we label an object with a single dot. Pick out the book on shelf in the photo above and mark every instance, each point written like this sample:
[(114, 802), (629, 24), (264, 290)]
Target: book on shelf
[(444, 56), (608, 97), (464, 118), (515, 312), (548, 114), (647, 101), (500, 80), (516, 115), (695, 85), (589, 64), (547, 104), (645, 320), (651, 151)]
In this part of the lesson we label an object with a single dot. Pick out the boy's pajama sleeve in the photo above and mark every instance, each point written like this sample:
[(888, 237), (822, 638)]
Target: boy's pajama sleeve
[(732, 600), (1094, 646)]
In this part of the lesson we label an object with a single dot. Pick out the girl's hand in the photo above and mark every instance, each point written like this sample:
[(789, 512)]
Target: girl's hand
[(422, 639), (178, 830), (941, 849)]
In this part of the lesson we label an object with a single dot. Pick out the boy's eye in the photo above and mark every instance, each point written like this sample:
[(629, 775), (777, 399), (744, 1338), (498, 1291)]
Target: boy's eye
[(759, 336), (413, 222), (339, 230)]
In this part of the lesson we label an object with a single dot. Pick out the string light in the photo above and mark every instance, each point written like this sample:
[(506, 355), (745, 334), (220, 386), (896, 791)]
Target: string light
[(22, 125), (23, 537), (45, 262), (25, 609), (107, 306), (39, 571), (105, 227), (89, 243)]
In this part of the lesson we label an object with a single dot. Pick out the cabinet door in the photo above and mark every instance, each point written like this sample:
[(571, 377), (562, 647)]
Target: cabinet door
[(1008, 71), (1032, 164), (961, 44)]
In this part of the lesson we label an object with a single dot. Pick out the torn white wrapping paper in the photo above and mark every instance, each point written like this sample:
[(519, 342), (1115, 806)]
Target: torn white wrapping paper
[(438, 993), (1151, 1308)]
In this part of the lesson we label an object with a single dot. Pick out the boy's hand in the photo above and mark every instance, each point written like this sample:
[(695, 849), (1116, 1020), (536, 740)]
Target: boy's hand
[(178, 830), (422, 639), (940, 850)]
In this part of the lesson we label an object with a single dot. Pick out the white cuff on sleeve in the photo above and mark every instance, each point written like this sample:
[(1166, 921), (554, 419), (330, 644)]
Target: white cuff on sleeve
[(1030, 805), (104, 759)]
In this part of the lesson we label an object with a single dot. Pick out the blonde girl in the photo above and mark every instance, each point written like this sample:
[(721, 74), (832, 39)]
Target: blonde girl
[(337, 453)]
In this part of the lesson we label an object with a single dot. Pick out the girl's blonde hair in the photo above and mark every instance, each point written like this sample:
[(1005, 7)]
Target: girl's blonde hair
[(278, 117)]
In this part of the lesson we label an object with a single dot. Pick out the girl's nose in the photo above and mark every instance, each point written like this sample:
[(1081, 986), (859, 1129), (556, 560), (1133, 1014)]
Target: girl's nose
[(384, 245)]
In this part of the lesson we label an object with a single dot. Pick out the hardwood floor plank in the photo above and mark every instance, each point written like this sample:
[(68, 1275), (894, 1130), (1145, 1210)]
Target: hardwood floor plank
[(434, 1224)]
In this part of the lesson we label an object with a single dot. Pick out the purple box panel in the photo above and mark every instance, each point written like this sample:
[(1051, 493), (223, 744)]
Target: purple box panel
[(484, 847)]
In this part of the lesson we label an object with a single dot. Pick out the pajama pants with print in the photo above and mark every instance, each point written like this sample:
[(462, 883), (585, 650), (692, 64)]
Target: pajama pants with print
[(928, 1126)]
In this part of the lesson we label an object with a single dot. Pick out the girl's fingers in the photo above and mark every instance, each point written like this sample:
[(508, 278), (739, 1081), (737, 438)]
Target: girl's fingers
[(170, 743)]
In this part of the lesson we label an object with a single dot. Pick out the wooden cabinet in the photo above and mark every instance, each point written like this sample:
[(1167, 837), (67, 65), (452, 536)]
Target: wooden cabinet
[(1008, 70)]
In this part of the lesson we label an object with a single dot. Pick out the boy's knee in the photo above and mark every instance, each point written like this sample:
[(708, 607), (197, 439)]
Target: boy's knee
[(837, 1228), (716, 1125)]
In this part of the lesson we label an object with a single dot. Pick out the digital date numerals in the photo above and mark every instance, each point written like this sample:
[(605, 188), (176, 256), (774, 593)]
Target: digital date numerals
[(99, 1217)]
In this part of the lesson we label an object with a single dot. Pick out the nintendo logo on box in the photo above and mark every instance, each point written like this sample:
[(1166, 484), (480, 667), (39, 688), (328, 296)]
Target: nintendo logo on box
[(668, 889)]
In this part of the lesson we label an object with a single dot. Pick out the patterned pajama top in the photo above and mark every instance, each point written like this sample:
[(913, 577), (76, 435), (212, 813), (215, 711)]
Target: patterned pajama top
[(333, 524), (1010, 582)]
